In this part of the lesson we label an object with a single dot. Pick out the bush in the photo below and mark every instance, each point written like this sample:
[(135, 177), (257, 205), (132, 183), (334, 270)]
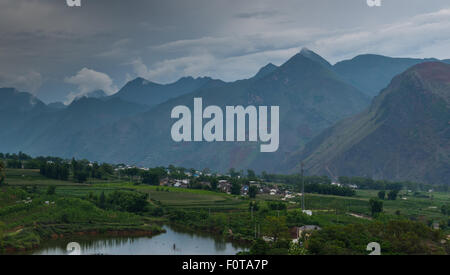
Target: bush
[(51, 190), (150, 178), (128, 201)]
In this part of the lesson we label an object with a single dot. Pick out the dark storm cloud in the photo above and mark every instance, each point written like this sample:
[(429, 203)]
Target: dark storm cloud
[(43, 42)]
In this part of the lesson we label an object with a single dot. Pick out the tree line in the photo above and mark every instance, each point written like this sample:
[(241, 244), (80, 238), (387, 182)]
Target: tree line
[(328, 189)]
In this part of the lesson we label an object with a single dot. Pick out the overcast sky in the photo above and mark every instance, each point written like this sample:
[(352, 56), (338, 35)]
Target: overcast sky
[(57, 52)]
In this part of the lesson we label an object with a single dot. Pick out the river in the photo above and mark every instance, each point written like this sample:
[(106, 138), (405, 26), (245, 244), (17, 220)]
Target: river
[(173, 242)]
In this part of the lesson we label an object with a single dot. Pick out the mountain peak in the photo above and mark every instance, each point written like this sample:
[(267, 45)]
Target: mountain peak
[(140, 81), (269, 68), (305, 52), (11, 98)]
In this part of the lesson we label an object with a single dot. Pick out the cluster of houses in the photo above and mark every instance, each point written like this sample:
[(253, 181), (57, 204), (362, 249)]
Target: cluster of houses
[(183, 183), (225, 185)]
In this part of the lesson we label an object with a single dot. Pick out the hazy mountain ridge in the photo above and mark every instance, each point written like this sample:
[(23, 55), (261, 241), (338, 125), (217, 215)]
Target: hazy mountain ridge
[(48, 131), (404, 135), (16, 108), (311, 97), (371, 73), (142, 91)]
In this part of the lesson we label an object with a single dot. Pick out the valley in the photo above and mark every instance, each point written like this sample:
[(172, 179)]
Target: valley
[(33, 216)]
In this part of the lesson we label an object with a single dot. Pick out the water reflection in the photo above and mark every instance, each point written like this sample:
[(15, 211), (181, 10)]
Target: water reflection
[(173, 242)]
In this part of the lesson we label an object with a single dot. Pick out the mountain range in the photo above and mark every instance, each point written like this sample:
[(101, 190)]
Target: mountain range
[(325, 115), (370, 73), (403, 135), (142, 91), (311, 97)]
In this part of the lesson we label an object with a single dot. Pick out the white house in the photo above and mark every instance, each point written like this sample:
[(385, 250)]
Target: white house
[(307, 212)]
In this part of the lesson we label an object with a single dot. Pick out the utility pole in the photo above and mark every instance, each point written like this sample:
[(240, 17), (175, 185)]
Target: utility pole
[(303, 188)]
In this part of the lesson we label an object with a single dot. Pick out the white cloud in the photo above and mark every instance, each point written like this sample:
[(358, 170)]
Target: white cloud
[(226, 39), (89, 80)]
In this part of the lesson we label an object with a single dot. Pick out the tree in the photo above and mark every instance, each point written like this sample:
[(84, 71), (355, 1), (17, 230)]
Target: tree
[(81, 177), (276, 227), (59, 171), (150, 178), (276, 205), (235, 188), (251, 175), (392, 195), (259, 247), (214, 183), (445, 209), (51, 190), (376, 206), (253, 205), (252, 191), (297, 249), (102, 200), (233, 173), (382, 195), (2, 173), (128, 201)]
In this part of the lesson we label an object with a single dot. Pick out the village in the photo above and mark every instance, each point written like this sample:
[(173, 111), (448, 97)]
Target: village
[(225, 186)]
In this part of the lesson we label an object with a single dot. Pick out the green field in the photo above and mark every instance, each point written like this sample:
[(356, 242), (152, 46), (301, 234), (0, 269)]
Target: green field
[(193, 199), (203, 210)]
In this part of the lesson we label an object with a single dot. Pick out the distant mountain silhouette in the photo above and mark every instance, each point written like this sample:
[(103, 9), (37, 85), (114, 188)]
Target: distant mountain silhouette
[(371, 73), (142, 91)]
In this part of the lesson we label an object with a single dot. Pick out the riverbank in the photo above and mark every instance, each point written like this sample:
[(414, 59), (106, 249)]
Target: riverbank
[(31, 239)]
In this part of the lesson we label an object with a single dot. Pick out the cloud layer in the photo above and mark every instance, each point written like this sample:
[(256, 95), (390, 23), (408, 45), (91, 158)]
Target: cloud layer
[(88, 80), (44, 42)]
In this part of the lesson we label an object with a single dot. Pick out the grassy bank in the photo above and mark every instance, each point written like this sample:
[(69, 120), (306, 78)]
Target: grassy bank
[(28, 219)]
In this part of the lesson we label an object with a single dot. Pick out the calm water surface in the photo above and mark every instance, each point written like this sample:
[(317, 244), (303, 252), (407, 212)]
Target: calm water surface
[(173, 242)]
